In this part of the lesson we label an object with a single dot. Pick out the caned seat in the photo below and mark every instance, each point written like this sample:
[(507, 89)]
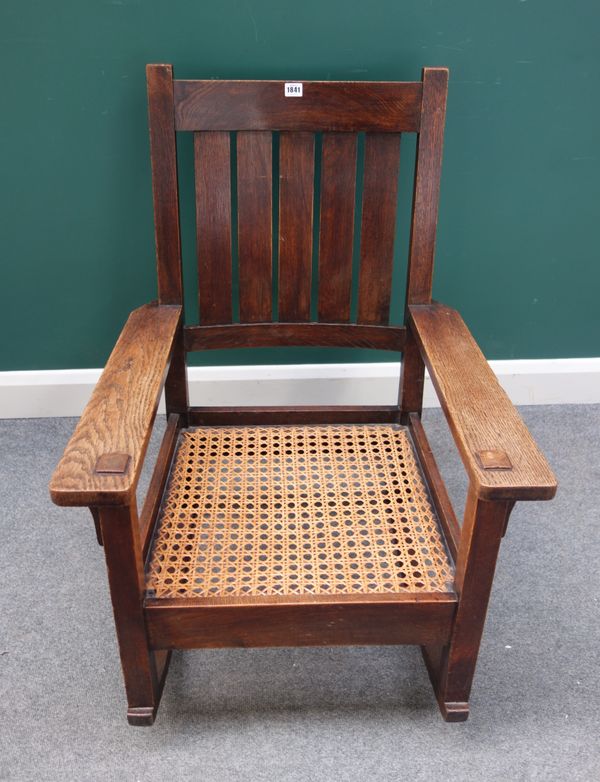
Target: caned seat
[(305, 525), (297, 510)]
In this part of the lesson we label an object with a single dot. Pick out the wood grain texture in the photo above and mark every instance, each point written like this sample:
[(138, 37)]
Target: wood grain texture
[(296, 186), (435, 484), (378, 226), (163, 153), (254, 188), (452, 668), (143, 670), (273, 334), (158, 481), (176, 385), (213, 225), (427, 186), (120, 413), (152, 345), (326, 106), (299, 414), (187, 624), (480, 414), (412, 379), (336, 229)]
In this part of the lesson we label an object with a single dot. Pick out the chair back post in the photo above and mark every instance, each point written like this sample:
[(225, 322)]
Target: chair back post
[(163, 155), (423, 229)]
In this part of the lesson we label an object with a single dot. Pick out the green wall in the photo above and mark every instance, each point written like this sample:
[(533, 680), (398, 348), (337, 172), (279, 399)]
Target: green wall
[(518, 241)]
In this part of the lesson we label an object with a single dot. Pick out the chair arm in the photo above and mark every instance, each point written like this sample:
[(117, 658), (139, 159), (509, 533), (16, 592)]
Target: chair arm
[(117, 422), (500, 456)]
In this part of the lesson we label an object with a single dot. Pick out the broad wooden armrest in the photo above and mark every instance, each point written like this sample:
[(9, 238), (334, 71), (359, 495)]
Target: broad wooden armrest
[(499, 454), (115, 427)]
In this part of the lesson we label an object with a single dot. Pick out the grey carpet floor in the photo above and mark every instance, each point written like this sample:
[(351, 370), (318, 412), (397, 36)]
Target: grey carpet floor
[(309, 714)]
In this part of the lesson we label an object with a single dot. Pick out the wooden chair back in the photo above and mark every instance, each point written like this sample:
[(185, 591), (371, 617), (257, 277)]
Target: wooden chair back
[(254, 147)]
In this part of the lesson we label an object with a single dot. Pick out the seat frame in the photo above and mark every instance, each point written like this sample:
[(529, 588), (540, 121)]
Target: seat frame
[(101, 465)]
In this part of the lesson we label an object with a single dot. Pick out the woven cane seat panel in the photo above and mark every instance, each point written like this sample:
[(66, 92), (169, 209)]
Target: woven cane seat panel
[(292, 510)]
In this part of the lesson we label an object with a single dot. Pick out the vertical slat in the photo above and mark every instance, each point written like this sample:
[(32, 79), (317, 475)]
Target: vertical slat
[(213, 225), (427, 186), (163, 155), (380, 191), (296, 185), (254, 187), (338, 185)]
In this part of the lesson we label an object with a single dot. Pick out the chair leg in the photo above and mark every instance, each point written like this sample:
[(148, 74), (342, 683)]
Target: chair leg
[(144, 671), (452, 667)]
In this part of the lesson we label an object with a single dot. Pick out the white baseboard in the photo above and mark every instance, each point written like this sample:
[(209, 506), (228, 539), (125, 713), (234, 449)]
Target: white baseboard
[(64, 392)]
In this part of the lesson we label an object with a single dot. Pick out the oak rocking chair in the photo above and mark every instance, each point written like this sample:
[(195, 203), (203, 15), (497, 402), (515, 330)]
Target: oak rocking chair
[(280, 526)]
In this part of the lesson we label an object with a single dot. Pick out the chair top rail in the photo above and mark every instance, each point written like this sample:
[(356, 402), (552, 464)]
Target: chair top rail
[(321, 106)]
